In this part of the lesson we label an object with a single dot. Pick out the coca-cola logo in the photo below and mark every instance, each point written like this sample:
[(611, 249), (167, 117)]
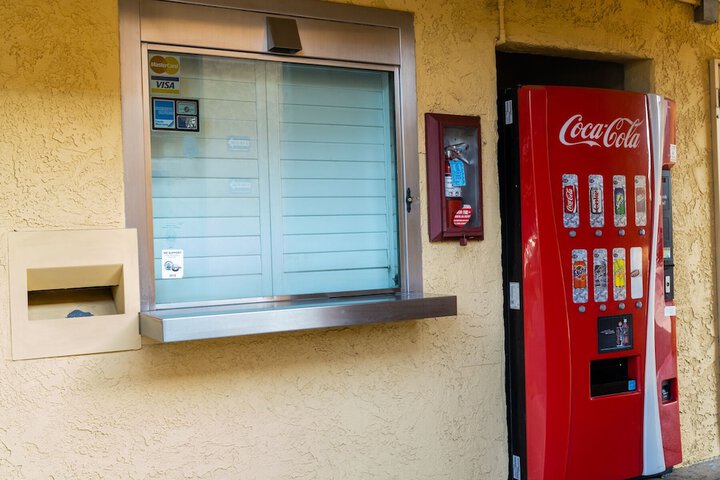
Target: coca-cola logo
[(620, 133), (570, 205)]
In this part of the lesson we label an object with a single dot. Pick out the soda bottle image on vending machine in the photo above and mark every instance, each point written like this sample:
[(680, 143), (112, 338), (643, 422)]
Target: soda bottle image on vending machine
[(591, 360)]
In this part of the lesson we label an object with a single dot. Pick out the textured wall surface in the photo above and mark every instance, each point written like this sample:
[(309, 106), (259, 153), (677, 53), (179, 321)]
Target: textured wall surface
[(420, 399)]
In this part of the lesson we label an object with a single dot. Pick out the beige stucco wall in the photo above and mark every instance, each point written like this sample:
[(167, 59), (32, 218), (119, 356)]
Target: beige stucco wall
[(419, 399)]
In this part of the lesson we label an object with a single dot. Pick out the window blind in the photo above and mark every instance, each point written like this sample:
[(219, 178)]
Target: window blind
[(288, 188)]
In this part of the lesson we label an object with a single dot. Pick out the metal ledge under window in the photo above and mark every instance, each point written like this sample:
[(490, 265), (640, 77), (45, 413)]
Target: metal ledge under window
[(176, 325)]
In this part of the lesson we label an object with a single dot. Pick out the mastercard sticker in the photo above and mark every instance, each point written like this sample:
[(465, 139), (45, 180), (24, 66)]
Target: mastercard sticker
[(163, 74)]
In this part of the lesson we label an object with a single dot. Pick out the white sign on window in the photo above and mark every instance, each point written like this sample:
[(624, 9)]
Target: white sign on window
[(173, 263)]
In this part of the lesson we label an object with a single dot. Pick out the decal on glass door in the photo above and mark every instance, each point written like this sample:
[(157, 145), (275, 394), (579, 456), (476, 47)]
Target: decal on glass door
[(640, 201), (163, 78), (619, 274), (600, 275), (619, 201), (580, 276), (173, 262), (597, 212), (571, 212)]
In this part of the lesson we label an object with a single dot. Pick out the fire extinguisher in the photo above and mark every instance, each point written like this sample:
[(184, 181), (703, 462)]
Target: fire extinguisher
[(453, 196), (453, 190)]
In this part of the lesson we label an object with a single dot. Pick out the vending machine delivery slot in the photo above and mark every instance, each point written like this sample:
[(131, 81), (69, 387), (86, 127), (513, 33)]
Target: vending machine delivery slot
[(612, 376)]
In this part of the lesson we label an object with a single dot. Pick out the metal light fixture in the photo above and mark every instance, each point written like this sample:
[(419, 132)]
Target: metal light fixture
[(282, 35)]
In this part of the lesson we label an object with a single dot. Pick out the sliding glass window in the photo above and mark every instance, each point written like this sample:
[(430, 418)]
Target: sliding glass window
[(270, 179)]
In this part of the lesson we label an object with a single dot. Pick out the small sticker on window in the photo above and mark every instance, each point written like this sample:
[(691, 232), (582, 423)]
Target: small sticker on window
[(238, 144), (165, 85), (163, 111), (173, 262), (188, 122), (171, 114)]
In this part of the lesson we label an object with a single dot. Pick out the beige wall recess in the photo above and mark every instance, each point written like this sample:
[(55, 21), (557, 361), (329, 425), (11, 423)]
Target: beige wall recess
[(73, 292)]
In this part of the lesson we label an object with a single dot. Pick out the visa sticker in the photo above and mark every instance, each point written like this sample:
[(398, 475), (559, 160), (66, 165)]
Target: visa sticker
[(165, 85)]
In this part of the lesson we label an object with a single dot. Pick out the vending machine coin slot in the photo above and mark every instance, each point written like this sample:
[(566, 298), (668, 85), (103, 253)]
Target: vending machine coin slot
[(667, 390), (668, 257)]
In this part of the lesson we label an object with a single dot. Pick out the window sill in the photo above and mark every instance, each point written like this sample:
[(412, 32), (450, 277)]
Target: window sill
[(182, 324)]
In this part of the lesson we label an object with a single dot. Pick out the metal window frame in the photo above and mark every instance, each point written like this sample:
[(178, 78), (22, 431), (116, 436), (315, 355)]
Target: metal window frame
[(149, 244), (714, 66), (363, 32)]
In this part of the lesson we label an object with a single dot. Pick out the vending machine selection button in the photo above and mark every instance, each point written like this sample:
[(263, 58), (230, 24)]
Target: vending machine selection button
[(621, 232), (603, 307), (638, 304), (572, 233), (581, 308), (621, 306), (598, 233), (641, 232)]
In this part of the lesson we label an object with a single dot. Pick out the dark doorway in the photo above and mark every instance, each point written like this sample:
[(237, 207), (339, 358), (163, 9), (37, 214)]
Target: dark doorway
[(515, 69)]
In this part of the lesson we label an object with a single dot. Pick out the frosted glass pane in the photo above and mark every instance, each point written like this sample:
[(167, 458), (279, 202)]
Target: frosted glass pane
[(324, 111), (287, 187)]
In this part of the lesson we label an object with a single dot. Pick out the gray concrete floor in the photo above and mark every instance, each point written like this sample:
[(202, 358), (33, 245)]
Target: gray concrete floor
[(709, 470)]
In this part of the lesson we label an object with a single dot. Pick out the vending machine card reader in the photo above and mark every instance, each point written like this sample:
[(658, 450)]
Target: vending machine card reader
[(590, 342)]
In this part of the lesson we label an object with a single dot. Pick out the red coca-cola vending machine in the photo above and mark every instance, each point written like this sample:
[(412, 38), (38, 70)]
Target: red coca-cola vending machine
[(587, 271)]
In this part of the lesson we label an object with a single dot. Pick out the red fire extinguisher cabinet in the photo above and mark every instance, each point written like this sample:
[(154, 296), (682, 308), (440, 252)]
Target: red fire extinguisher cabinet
[(454, 174)]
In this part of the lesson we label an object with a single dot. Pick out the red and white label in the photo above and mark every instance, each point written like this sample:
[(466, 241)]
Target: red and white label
[(570, 197), (620, 133), (596, 200), (597, 217), (571, 215), (462, 216)]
